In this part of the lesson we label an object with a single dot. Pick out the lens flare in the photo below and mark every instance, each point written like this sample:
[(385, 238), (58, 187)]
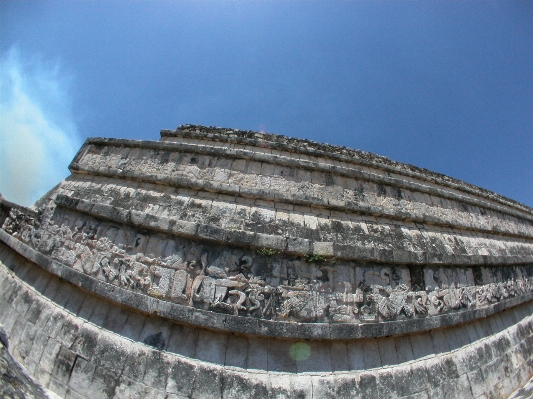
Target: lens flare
[(300, 351)]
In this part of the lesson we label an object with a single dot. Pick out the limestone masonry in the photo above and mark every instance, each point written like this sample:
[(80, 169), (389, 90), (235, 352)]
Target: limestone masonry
[(219, 263)]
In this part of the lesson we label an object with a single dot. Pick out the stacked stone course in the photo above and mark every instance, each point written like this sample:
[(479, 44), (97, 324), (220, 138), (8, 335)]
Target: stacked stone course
[(221, 263)]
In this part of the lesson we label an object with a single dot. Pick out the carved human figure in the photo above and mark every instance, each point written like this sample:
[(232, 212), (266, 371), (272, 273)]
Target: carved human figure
[(179, 284), (84, 259), (161, 281), (141, 274), (124, 276), (107, 269), (296, 304), (78, 235)]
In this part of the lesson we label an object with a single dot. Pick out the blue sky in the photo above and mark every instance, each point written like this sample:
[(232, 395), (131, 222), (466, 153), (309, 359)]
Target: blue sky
[(443, 85)]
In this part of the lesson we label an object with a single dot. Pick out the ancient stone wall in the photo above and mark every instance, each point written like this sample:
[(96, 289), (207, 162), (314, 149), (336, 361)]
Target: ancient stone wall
[(224, 263)]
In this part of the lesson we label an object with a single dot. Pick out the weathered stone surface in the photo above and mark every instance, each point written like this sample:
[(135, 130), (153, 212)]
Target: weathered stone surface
[(222, 264), (15, 383)]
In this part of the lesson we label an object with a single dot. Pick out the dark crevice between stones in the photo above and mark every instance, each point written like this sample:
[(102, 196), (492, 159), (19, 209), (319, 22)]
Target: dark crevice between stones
[(156, 340)]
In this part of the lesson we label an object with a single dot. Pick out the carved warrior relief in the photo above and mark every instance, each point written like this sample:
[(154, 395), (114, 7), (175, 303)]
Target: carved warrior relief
[(246, 283)]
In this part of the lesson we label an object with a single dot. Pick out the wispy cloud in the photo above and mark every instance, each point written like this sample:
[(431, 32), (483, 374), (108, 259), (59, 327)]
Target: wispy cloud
[(38, 136)]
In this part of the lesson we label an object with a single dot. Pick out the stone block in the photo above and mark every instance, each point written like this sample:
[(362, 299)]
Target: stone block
[(183, 227), (207, 383), (15, 333), (34, 356), (127, 388), (88, 307), (418, 395), (155, 332), (69, 330), (237, 351), (356, 355), (368, 386), (279, 356), (258, 354), (387, 383), (371, 353), (404, 351), (301, 386), (457, 388), (272, 242), (387, 351), (181, 378), (212, 347), (418, 378), (235, 385), (86, 342), (63, 364), (135, 364), (58, 387), (22, 349), (134, 326), (111, 352), (42, 281), (280, 386), (324, 386), (71, 394), (298, 245), (104, 383), (81, 376), (52, 288), (347, 386), (440, 343), (318, 360), (323, 248), (451, 337), (22, 302), (158, 365), (339, 356), (116, 319)]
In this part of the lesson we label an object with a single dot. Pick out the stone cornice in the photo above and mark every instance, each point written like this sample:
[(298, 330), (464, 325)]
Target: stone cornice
[(291, 245), (311, 148), (77, 167)]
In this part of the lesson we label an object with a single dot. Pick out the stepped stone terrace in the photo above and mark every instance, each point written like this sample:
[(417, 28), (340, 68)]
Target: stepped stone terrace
[(219, 263)]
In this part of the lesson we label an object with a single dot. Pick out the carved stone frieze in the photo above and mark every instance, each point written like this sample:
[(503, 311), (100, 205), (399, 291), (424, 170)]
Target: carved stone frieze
[(258, 284), (18, 223)]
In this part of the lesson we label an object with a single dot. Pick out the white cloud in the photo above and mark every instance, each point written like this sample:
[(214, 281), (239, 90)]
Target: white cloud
[(38, 137)]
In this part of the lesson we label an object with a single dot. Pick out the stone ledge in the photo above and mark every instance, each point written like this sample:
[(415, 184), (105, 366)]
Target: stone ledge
[(293, 199), (251, 326), (290, 245), (345, 154), (77, 167)]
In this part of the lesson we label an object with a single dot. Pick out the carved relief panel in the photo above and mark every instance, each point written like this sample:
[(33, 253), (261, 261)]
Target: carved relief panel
[(253, 283)]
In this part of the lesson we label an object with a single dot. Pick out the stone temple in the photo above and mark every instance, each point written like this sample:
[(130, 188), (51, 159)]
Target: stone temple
[(218, 263)]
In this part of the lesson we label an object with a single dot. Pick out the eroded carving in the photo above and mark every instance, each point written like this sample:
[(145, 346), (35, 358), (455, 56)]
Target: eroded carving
[(241, 282)]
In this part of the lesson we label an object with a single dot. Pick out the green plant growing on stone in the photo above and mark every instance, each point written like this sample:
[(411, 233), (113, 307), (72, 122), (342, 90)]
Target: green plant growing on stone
[(267, 251), (319, 259)]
